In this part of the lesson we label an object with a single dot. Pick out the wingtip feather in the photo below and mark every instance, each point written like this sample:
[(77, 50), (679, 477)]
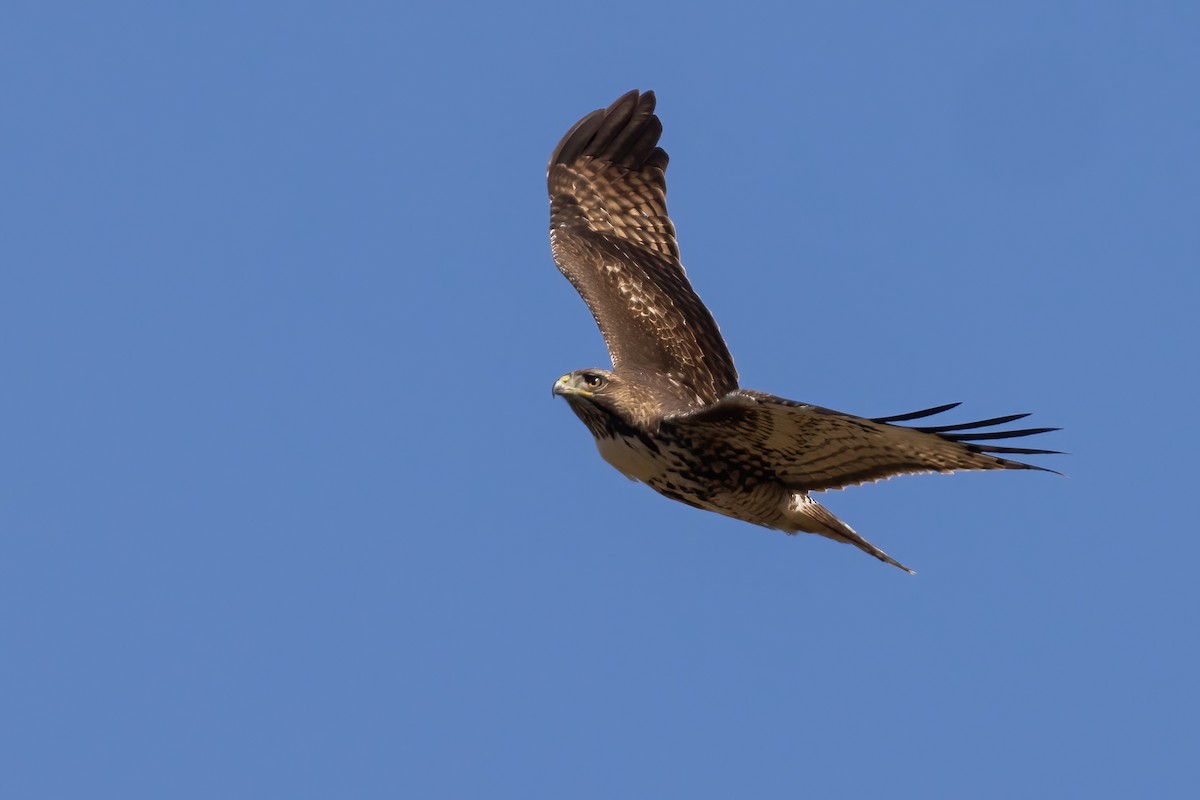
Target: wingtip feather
[(625, 133), (925, 412)]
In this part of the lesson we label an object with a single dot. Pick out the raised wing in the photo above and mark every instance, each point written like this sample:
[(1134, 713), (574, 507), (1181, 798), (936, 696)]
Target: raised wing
[(812, 448), (612, 238)]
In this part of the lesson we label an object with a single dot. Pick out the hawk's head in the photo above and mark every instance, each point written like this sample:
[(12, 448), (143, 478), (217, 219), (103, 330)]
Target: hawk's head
[(606, 402), (587, 383)]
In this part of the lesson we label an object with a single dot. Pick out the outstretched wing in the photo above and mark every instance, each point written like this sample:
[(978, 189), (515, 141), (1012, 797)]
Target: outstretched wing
[(612, 238), (812, 448)]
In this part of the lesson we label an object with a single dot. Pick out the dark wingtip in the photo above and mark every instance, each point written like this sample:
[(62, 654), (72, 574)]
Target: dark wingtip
[(996, 448), (977, 436), (983, 423), (967, 434), (572, 144), (1039, 469), (625, 133), (925, 412)]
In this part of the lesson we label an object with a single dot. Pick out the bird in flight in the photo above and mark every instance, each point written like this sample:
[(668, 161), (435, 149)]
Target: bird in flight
[(670, 413)]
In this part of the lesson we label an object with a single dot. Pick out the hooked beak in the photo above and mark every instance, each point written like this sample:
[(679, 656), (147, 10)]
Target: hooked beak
[(563, 387)]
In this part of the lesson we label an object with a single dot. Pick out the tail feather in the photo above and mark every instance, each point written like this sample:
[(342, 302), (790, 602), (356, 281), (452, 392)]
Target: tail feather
[(810, 516)]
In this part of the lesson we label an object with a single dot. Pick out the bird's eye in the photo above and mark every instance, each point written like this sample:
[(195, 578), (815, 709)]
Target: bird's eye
[(593, 381)]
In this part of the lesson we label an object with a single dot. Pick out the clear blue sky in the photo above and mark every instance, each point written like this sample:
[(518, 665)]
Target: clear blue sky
[(287, 509)]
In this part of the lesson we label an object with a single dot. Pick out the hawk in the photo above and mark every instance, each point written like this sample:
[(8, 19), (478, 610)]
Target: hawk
[(670, 413)]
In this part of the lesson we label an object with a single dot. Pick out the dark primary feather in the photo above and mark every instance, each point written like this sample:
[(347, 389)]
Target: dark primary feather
[(613, 240), (970, 432), (926, 412)]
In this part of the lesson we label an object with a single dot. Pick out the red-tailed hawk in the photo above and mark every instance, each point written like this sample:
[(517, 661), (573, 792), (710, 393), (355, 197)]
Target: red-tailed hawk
[(670, 413)]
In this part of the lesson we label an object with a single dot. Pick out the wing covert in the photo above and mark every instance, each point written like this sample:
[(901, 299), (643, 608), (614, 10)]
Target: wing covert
[(812, 448), (612, 238)]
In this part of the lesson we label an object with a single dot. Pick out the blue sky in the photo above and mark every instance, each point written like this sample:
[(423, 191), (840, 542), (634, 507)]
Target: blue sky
[(287, 509)]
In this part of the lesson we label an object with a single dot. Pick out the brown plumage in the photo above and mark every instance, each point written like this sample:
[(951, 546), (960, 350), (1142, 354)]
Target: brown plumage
[(612, 238), (670, 413)]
